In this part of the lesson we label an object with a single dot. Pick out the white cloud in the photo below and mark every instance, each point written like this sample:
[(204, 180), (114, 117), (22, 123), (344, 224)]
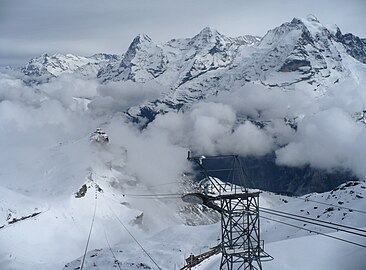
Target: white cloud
[(328, 139), (327, 136), (211, 128), (248, 139), (35, 122), (119, 96)]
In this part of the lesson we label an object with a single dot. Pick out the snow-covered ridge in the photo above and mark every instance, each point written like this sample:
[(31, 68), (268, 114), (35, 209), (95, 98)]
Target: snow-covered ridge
[(45, 224), (300, 53)]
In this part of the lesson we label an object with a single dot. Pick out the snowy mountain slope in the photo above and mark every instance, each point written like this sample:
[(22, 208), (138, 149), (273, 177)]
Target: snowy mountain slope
[(16, 207), (66, 199), (319, 206), (307, 253), (169, 249), (63, 202), (181, 241), (45, 67)]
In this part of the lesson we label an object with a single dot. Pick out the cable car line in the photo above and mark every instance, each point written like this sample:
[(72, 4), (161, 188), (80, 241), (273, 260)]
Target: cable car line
[(134, 238), (316, 232), (329, 204), (314, 219), (110, 248), (155, 195), (314, 223), (91, 228)]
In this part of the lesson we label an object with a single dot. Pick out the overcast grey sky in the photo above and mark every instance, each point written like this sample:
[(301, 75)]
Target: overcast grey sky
[(29, 28)]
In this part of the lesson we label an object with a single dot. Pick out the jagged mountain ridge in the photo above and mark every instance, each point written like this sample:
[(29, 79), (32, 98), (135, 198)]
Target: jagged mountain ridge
[(209, 39), (301, 52), (356, 47), (176, 62)]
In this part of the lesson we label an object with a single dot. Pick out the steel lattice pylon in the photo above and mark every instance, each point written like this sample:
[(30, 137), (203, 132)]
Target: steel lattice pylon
[(241, 246)]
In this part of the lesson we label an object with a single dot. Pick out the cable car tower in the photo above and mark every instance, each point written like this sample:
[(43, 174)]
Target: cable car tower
[(241, 246)]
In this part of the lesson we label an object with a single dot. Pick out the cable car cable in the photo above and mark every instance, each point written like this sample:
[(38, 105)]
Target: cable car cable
[(110, 248), (91, 228), (316, 232), (313, 219), (134, 238), (329, 204), (314, 223)]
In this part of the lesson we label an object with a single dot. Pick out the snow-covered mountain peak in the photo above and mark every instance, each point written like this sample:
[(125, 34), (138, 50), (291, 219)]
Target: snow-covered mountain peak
[(312, 18), (303, 46), (302, 51), (143, 61), (141, 42), (287, 33), (141, 38), (208, 36), (307, 30), (314, 26)]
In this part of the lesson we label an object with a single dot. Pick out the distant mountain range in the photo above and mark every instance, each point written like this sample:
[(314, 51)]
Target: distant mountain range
[(298, 54)]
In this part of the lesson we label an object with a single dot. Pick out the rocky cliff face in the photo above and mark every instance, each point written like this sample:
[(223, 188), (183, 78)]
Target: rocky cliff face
[(355, 46)]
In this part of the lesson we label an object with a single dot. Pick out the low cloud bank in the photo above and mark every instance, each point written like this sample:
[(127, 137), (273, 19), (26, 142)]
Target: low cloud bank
[(119, 96), (45, 135), (212, 128), (251, 120)]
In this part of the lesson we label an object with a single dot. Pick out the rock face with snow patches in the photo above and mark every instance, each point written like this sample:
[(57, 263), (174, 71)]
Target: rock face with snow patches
[(355, 46)]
